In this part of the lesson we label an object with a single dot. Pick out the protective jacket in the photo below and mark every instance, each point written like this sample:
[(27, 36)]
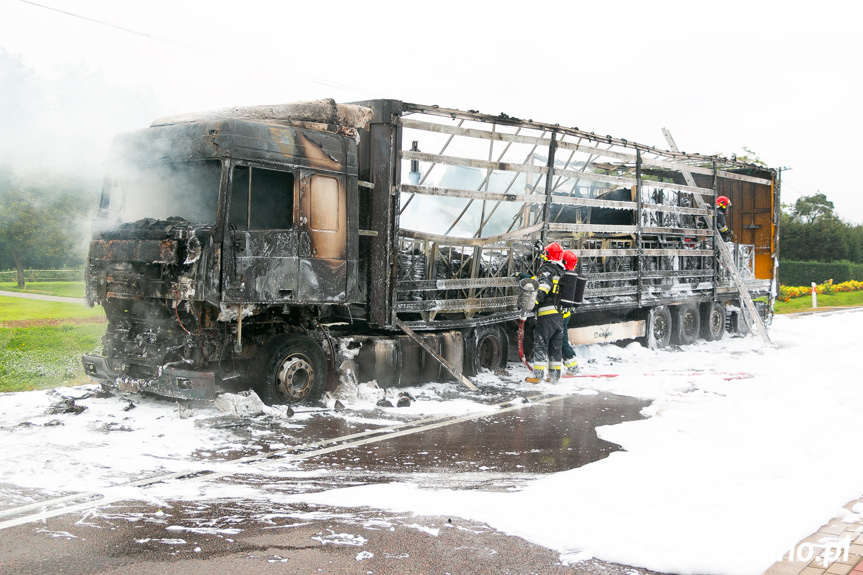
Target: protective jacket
[(548, 335), (548, 277), (722, 224)]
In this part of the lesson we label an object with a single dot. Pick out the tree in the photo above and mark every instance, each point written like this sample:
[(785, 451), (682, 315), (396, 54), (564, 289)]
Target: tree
[(812, 208), (42, 223), (750, 157), (811, 231)]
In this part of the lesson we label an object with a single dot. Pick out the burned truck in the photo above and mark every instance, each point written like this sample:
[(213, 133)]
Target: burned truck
[(282, 247)]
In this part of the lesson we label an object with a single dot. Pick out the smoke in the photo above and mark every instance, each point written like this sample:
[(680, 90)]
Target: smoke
[(56, 134), (63, 124), (189, 190)]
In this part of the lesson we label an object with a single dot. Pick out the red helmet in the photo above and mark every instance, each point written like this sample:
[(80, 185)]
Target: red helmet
[(570, 260), (553, 252), (723, 201)]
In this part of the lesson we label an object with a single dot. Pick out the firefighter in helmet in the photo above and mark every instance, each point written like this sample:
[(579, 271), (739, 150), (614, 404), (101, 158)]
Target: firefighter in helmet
[(722, 206), (548, 334), (570, 363)]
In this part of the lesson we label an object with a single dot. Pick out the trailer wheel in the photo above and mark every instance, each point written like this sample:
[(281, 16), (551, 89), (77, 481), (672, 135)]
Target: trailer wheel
[(293, 370), (712, 320), (737, 324), (658, 328), (487, 349), (686, 325)]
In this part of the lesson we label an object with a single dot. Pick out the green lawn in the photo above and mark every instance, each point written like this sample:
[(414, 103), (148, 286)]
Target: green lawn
[(844, 299), (18, 309), (38, 356), (64, 289), (47, 356)]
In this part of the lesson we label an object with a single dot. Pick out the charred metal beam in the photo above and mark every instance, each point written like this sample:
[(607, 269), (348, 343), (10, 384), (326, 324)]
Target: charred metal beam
[(383, 220), (459, 283), (451, 305)]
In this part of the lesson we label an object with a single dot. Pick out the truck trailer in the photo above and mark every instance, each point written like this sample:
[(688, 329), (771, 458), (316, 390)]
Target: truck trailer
[(286, 248)]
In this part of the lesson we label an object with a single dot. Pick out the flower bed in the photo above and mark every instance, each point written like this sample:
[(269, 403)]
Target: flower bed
[(788, 292)]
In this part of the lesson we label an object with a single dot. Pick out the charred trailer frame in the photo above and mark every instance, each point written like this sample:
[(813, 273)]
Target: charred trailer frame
[(281, 247)]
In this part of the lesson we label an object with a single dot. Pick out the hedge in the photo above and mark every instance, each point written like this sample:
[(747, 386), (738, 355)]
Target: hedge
[(793, 273), (44, 276)]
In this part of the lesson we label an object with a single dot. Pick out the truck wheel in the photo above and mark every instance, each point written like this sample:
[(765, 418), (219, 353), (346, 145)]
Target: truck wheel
[(658, 328), (712, 320), (487, 349), (293, 370), (686, 325)]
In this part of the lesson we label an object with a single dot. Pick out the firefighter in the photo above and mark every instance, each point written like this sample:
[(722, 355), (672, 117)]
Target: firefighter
[(548, 334), (722, 206), (570, 363)]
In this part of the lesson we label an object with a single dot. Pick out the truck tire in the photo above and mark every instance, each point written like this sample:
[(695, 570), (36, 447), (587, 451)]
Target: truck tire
[(293, 369), (658, 328), (686, 324), (712, 320), (487, 349)]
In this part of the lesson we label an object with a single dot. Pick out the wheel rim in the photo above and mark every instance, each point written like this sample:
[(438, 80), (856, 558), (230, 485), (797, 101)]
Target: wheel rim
[(294, 378), (717, 321), (689, 323), (660, 327)]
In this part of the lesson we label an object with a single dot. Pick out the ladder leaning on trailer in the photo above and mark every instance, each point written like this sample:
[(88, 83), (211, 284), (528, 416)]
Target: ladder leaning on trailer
[(748, 306)]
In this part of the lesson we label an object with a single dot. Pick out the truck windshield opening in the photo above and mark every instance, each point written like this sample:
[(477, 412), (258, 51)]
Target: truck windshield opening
[(188, 190)]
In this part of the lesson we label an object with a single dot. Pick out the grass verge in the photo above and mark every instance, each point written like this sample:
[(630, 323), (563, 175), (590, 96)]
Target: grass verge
[(63, 289), (45, 357), (842, 299), (41, 342), (16, 309)]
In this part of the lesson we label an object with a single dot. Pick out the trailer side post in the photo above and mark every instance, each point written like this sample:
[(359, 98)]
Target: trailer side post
[(638, 222), (383, 138), (549, 175)]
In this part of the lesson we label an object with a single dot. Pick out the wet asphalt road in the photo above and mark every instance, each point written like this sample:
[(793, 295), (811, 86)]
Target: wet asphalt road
[(495, 451)]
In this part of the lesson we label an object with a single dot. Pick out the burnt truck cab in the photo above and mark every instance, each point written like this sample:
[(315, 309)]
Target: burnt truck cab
[(222, 239)]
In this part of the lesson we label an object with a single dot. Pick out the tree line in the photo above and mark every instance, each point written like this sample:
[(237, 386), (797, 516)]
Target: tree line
[(44, 220), (809, 230)]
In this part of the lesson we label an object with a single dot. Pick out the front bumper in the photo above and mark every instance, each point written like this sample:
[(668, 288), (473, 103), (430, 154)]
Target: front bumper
[(168, 382)]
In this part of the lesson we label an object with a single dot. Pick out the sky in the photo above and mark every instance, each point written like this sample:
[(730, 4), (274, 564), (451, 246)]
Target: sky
[(744, 450), (780, 78)]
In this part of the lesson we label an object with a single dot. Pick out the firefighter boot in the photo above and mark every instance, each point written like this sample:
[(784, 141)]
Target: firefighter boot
[(538, 375), (554, 375), (572, 367)]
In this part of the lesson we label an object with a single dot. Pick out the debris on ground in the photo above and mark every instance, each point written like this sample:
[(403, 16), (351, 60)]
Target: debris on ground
[(183, 411), (248, 404), (65, 406), (405, 399)]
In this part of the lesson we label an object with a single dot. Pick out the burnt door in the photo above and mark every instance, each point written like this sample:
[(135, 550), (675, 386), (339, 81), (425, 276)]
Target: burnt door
[(261, 243), (322, 235)]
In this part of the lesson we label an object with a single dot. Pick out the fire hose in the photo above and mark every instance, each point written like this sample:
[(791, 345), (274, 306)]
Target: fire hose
[(521, 321)]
